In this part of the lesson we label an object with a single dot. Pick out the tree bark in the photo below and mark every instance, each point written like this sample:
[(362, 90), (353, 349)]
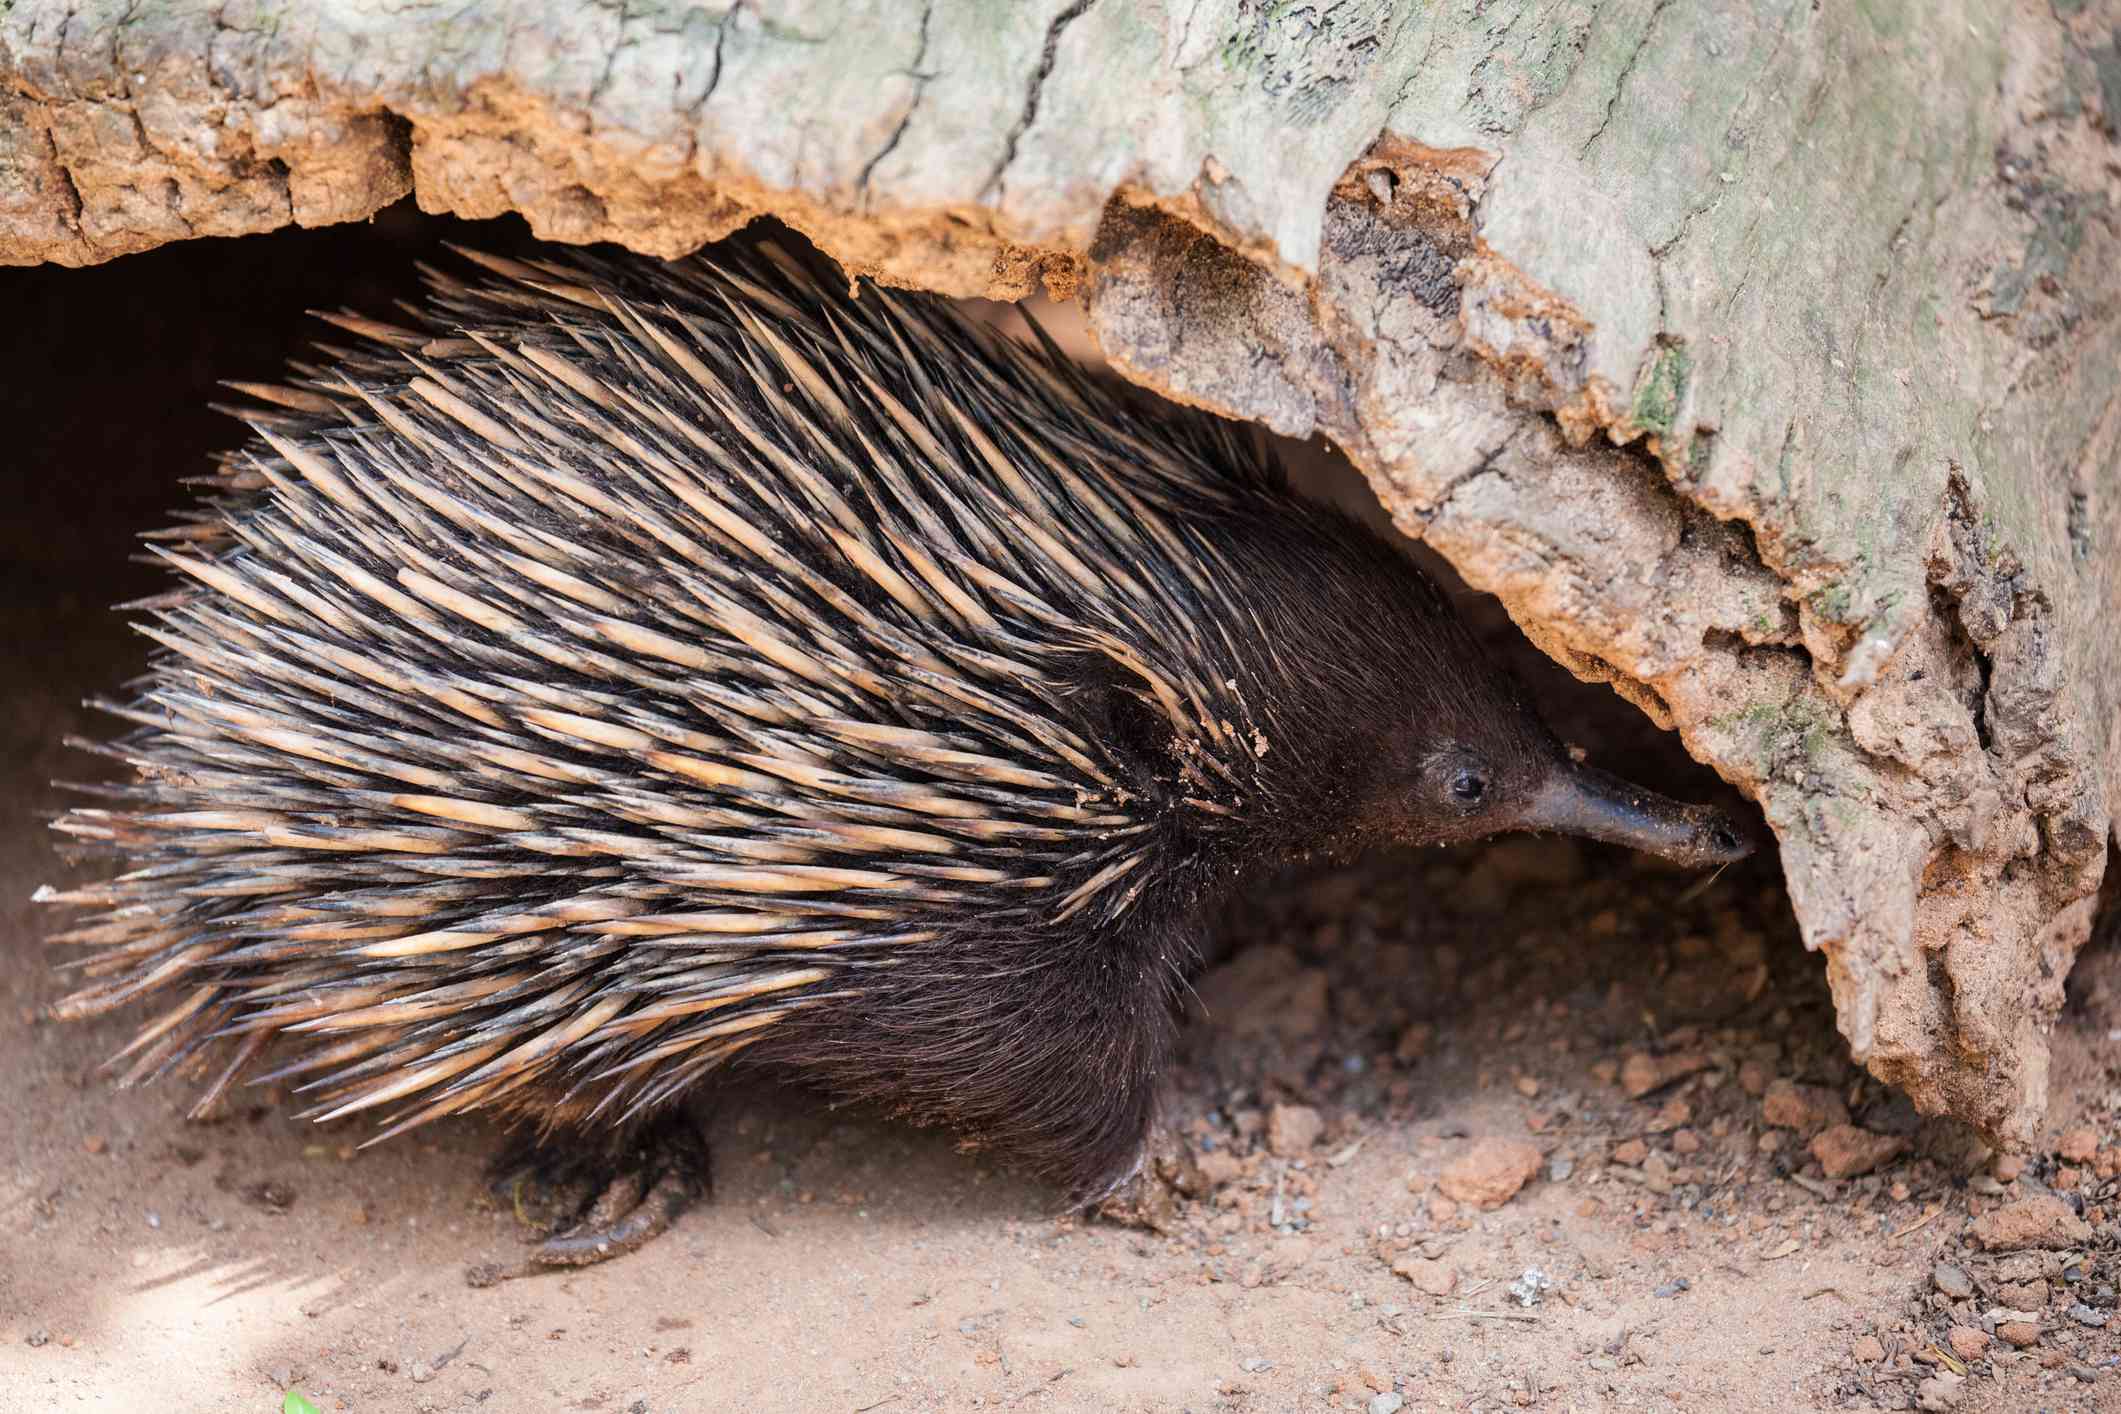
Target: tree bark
[(1763, 357)]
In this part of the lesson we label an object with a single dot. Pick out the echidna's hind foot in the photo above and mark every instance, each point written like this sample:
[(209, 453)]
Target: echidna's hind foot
[(598, 1199)]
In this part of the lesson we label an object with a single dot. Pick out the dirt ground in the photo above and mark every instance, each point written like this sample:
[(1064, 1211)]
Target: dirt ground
[(1380, 1052)]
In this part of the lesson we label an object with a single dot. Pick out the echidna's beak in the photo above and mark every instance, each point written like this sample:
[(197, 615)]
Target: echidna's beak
[(1581, 800)]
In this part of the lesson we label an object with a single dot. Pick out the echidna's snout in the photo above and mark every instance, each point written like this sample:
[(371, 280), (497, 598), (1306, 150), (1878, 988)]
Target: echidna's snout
[(1582, 800)]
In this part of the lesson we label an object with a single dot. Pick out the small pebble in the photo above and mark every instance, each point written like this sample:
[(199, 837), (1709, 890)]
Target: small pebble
[(2084, 1315), (1078, 1322), (1489, 1173), (1804, 1108), (2037, 1222), (1641, 1074), (2078, 1146), (1673, 1287), (1219, 1168), (1844, 1151), (2022, 1295), (1967, 1343), (1292, 1130), (1951, 1281), (2019, 1333), (421, 1372), (1433, 1278), (37, 1337), (1256, 1365), (1387, 1403), (1670, 1116), (1868, 1349)]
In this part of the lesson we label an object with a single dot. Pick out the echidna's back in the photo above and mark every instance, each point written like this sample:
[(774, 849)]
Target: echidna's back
[(569, 692)]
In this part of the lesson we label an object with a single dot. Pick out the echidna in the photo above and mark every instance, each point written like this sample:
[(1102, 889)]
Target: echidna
[(644, 668)]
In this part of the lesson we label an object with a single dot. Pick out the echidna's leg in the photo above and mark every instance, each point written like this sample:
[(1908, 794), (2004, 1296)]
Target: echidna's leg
[(616, 1194)]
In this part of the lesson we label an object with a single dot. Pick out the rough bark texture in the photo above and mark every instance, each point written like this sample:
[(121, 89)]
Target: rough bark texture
[(1764, 358)]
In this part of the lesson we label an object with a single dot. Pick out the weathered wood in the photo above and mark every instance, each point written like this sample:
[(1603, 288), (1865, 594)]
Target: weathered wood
[(1764, 358)]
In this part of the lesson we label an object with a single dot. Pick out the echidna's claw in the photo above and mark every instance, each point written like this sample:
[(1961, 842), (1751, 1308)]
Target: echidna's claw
[(615, 1198), (624, 1218)]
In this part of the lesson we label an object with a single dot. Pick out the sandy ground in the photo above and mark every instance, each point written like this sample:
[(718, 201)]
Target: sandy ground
[(1655, 1052)]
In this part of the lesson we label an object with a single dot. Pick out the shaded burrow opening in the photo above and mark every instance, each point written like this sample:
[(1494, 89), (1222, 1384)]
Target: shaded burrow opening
[(1387, 984)]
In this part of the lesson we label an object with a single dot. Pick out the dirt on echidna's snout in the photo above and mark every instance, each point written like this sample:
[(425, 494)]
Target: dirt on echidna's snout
[(645, 672)]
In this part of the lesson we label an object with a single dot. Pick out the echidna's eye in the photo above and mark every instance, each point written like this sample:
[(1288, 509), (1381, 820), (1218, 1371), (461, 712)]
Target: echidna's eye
[(1468, 787)]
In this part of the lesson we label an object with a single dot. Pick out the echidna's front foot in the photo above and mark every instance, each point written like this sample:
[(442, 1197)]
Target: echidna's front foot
[(597, 1200)]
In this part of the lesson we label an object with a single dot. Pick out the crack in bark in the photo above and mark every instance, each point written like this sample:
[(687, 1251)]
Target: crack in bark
[(75, 205), (2086, 476), (713, 75), (73, 195), (1480, 470), (920, 89), (1414, 72), (1968, 537), (1185, 37), (1046, 59), (611, 60), (1740, 112), (1686, 223), (1620, 82)]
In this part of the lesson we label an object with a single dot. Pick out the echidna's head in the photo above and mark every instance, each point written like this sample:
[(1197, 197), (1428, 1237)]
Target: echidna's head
[(1468, 776), (1426, 740)]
